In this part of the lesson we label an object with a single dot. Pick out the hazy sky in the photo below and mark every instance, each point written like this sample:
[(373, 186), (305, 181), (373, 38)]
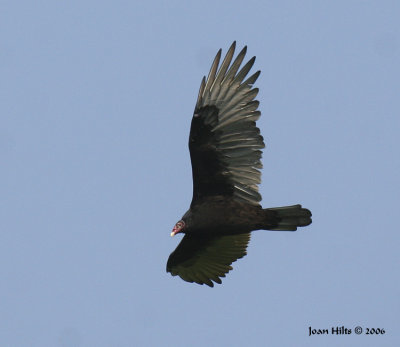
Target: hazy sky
[(96, 100)]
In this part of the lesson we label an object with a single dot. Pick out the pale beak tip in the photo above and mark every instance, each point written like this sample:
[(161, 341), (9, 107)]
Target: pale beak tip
[(172, 234)]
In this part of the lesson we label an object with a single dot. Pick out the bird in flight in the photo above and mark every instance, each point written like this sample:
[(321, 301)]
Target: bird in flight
[(225, 149)]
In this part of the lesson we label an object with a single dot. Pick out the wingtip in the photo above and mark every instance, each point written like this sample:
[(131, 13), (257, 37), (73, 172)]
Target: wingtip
[(243, 51)]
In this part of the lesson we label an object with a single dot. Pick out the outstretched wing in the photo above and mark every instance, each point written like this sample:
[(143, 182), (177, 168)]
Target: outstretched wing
[(225, 143), (206, 259)]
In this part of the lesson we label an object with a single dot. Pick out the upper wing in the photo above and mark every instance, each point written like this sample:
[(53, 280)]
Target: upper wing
[(225, 143), (206, 259)]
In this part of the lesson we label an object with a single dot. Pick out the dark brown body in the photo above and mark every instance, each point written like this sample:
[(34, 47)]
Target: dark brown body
[(218, 216)]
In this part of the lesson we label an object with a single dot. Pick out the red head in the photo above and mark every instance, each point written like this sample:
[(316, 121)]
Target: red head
[(178, 228)]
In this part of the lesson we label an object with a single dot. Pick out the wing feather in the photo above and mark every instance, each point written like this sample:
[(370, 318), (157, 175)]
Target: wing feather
[(205, 259), (211, 74), (225, 143)]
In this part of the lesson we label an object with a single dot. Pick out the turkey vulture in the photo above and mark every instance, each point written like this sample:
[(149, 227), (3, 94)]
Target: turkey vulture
[(225, 149)]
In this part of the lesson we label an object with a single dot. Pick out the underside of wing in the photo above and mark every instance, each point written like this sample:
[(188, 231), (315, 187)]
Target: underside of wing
[(225, 143), (206, 259)]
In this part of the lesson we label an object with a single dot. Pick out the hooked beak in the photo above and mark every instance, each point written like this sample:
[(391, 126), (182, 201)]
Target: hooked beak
[(178, 228)]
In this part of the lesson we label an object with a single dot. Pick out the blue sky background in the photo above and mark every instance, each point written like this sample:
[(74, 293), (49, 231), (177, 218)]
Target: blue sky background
[(96, 101)]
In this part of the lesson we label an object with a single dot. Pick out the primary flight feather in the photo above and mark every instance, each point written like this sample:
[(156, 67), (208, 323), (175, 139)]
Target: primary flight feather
[(225, 149)]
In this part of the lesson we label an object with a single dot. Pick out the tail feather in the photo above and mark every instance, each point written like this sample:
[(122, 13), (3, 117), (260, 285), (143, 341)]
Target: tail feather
[(290, 217)]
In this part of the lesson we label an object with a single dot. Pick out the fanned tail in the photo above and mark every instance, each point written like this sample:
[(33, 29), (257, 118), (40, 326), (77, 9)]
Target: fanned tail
[(288, 217)]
